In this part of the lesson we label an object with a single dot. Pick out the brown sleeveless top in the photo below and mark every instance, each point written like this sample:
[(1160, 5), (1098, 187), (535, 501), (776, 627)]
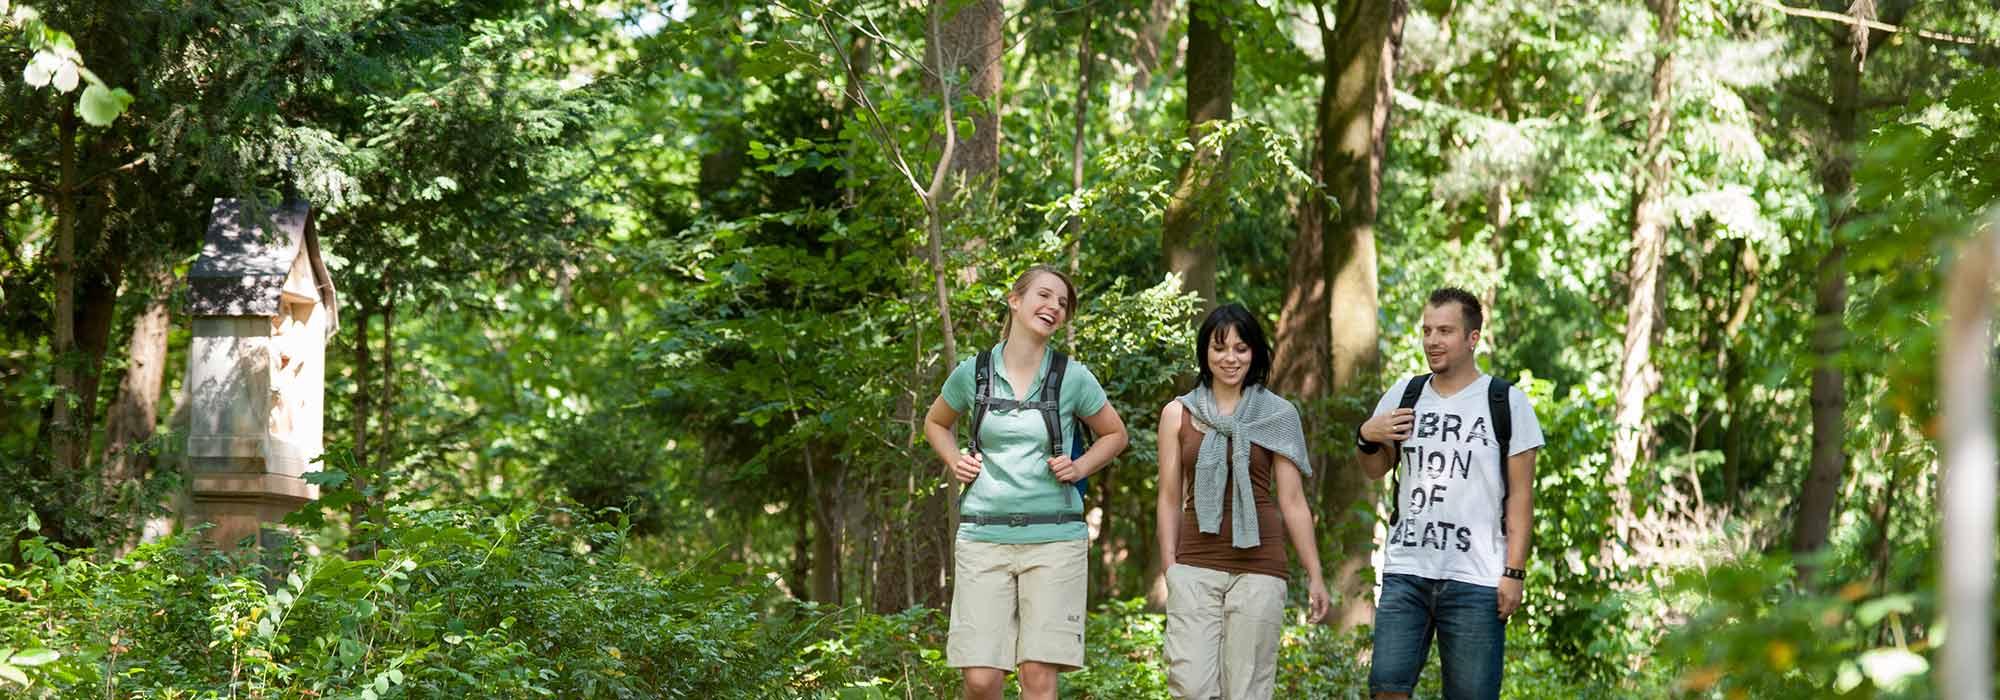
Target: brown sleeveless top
[(1214, 551)]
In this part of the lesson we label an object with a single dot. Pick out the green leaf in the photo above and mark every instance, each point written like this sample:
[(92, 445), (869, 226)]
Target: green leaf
[(14, 674), (100, 105), (1873, 611), (1890, 668), (329, 478), (34, 657)]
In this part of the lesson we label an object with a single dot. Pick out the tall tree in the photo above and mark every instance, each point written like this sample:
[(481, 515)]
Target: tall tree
[(1638, 378), (1186, 240), (1148, 36), (1843, 60), (965, 46), (136, 410), (1353, 136)]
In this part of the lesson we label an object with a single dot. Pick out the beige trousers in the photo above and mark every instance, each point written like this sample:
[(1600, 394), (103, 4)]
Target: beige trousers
[(1222, 633)]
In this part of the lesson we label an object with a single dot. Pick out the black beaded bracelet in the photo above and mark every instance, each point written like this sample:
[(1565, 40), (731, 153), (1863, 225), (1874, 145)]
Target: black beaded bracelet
[(1513, 573)]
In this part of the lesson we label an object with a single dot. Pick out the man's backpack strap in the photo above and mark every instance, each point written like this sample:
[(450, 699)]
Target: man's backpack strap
[(1411, 392), (1498, 404)]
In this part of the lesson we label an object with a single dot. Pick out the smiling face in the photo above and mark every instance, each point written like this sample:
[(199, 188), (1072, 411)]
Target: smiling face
[(1040, 306), (1448, 342), (1229, 358)]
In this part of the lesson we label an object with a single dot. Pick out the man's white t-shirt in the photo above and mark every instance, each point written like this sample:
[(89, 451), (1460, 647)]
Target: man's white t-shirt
[(1451, 483)]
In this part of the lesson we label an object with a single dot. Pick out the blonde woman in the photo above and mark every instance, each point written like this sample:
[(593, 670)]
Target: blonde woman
[(1021, 556)]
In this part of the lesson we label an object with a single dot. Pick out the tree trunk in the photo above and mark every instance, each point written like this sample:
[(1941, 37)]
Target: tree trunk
[(967, 49), (1735, 436), (722, 164), (1186, 240), (1147, 58), (86, 291), (1632, 440), (357, 512), (1829, 395), (1967, 453), (1300, 363), (828, 517), (65, 451), (1362, 52), (132, 418), (1499, 216), (935, 516), (1885, 504), (385, 402), (1187, 247), (969, 41), (1084, 63), (800, 580), (861, 56)]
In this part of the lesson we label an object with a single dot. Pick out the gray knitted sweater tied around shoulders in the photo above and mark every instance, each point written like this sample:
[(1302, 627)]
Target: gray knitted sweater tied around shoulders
[(1261, 418)]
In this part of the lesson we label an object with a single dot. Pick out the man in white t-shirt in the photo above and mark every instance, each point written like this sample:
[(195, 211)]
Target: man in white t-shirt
[(1452, 568)]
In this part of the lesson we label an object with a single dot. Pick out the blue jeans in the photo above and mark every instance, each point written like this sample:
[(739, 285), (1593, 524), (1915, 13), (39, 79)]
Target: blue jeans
[(1463, 617)]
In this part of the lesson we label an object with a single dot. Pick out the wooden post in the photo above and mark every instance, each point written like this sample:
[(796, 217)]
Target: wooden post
[(1965, 668)]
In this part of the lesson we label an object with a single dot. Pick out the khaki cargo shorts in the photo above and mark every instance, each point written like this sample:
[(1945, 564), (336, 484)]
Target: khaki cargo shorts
[(1018, 602)]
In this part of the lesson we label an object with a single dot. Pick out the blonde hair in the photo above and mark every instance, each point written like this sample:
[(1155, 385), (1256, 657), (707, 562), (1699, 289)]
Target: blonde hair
[(1021, 287)]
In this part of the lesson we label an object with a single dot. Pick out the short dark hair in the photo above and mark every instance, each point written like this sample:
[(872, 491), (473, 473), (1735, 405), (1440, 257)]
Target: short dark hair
[(1466, 301), (1229, 316)]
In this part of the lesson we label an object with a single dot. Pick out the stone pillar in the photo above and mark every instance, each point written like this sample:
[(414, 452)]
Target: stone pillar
[(263, 307)]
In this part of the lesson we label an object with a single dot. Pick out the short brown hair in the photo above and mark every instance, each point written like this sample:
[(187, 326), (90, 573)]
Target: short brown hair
[(1473, 314)]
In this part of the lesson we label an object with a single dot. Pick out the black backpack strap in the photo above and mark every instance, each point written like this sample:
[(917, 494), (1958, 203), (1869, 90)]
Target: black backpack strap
[(1497, 403), (1051, 397), (1411, 392), (982, 392), (982, 397), (1048, 401), (1052, 394)]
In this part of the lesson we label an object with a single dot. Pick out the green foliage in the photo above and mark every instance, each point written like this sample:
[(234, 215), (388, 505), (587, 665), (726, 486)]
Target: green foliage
[(488, 600), (55, 63), (1757, 636)]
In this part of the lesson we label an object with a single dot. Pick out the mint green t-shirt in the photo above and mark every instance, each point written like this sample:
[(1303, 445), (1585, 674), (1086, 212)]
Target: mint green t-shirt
[(1015, 444)]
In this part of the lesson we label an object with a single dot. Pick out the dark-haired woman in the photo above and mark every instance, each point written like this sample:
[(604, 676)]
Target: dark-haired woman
[(1021, 556), (1232, 456)]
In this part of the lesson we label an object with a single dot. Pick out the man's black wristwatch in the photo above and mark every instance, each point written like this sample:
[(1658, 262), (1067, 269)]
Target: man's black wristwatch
[(1513, 573), (1363, 444)]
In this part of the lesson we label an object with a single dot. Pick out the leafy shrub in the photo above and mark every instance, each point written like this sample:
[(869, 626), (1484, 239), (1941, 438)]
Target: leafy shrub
[(1759, 636), (494, 601)]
